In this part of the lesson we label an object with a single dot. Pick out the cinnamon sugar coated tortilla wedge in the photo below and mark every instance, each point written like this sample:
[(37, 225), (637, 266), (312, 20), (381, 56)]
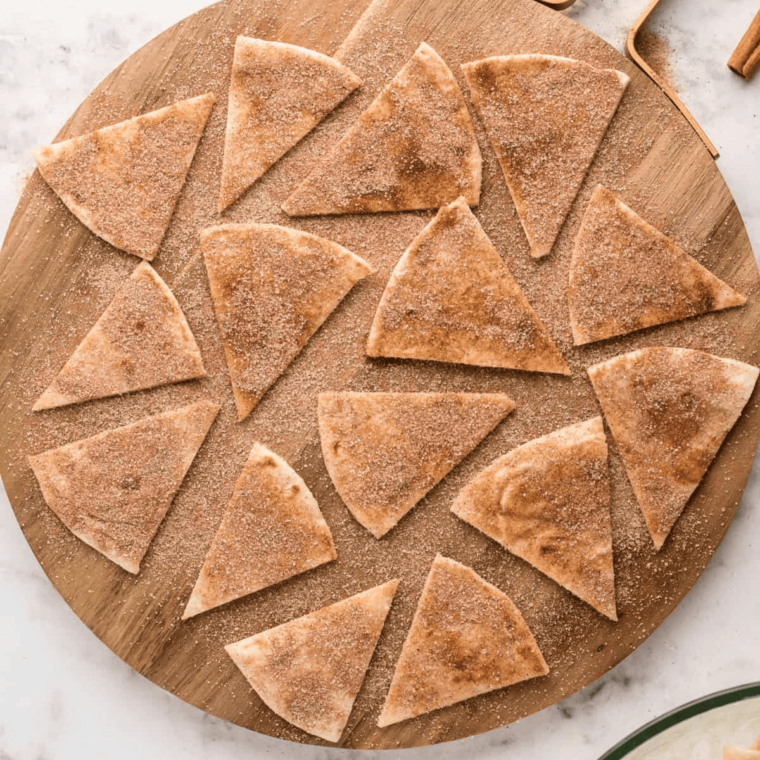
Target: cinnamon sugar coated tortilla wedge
[(545, 118), (669, 410), (451, 298), (142, 340), (467, 638), (278, 93), (626, 275), (413, 148), (310, 669), (272, 289), (123, 181), (271, 530), (548, 502), (740, 753), (385, 451), (113, 490)]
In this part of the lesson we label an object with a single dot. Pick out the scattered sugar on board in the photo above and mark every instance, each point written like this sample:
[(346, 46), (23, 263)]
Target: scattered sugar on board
[(656, 51), (570, 634)]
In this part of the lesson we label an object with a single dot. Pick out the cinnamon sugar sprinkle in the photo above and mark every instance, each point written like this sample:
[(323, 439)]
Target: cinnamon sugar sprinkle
[(277, 94), (642, 395), (545, 119), (656, 51), (467, 638), (311, 668), (141, 341), (124, 180), (548, 502), (385, 451), (271, 530), (140, 617), (626, 275), (413, 148), (272, 289), (451, 299), (113, 489)]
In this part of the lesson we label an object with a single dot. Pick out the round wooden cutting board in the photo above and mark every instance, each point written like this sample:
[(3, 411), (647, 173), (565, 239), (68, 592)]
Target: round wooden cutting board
[(56, 278)]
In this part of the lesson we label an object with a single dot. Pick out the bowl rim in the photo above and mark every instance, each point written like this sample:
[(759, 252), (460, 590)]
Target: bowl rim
[(678, 715)]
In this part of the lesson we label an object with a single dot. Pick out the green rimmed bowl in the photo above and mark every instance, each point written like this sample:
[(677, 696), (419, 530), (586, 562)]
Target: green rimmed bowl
[(697, 730)]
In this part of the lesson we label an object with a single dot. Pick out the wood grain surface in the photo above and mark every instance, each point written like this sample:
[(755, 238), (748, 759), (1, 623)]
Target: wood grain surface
[(56, 278)]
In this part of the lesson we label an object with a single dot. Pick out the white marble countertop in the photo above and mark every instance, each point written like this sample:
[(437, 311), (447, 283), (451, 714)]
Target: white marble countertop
[(64, 695)]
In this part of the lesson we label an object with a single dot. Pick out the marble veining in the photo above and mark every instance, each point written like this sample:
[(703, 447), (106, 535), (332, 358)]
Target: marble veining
[(65, 696)]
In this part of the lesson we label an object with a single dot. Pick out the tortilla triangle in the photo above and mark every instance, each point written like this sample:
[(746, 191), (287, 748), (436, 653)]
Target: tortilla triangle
[(113, 490), (271, 530), (669, 410), (278, 93), (451, 298), (123, 181), (731, 752), (272, 289), (413, 148), (467, 638), (310, 669), (385, 451), (142, 340), (545, 118), (626, 275), (740, 753), (548, 502)]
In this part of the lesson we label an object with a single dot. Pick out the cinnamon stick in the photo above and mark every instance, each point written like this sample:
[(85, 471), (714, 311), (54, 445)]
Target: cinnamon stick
[(745, 60), (752, 65)]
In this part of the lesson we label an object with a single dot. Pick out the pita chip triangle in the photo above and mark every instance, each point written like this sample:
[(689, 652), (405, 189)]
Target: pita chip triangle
[(451, 298), (310, 669), (272, 288), (545, 118), (271, 530), (413, 148), (467, 638), (385, 451), (113, 490), (669, 410), (626, 275), (278, 93), (123, 181), (548, 502), (142, 340), (739, 753)]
